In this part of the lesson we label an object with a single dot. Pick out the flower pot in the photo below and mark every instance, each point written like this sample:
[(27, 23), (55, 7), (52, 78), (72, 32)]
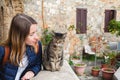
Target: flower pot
[(107, 73), (95, 72), (80, 69)]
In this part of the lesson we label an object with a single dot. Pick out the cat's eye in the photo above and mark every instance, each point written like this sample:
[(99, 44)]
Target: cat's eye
[(59, 56), (59, 41)]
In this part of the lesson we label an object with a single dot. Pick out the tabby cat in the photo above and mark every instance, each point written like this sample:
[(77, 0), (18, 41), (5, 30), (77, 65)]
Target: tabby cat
[(53, 54)]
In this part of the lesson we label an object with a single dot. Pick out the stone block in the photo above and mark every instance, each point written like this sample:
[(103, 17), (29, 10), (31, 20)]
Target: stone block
[(117, 74), (66, 73)]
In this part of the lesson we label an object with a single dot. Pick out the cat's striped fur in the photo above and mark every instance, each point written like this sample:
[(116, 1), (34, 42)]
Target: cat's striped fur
[(53, 54)]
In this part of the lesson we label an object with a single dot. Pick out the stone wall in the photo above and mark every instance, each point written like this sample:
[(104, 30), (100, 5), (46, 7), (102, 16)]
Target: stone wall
[(8, 8), (54, 13)]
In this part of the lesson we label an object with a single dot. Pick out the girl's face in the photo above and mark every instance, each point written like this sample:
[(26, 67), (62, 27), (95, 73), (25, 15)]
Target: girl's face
[(32, 38)]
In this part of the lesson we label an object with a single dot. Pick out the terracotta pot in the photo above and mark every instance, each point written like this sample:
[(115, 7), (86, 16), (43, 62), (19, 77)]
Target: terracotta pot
[(95, 72), (80, 69), (107, 73)]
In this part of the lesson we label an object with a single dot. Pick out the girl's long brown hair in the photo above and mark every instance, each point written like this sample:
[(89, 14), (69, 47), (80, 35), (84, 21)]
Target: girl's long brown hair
[(19, 30)]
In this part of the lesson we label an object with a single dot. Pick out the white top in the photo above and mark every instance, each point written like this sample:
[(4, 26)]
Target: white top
[(23, 64)]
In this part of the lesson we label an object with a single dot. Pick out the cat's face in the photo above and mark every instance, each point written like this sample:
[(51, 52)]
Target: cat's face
[(59, 38)]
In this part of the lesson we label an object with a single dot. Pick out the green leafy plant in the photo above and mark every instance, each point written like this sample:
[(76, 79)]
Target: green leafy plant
[(79, 64), (71, 27), (89, 58), (47, 37), (96, 68), (114, 27), (71, 62), (75, 56), (109, 58)]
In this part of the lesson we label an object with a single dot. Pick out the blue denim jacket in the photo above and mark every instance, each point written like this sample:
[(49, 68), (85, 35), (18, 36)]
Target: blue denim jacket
[(9, 71)]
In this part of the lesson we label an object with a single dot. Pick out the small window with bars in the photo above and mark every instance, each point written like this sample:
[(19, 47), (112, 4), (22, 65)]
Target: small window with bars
[(109, 15), (81, 20)]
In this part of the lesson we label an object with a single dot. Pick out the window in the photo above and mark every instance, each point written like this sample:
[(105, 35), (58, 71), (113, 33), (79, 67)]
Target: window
[(81, 20), (109, 15)]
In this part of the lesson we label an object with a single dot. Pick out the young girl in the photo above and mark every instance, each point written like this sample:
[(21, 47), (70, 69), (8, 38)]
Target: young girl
[(25, 55)]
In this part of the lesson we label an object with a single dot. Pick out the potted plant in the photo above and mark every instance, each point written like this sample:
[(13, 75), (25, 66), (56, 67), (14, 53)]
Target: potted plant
[(96, 49), (108, 57), (108, 67), (106, 61), (107, 73), (79, 68), (95, 71)]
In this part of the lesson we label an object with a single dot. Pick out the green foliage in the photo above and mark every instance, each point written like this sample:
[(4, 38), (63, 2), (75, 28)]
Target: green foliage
[(96, 68), (78, 64), (71, 62), (114, 27), (108, 57), (47, 37), (75, 56), (112, 55), (71, 27), (89, 57)]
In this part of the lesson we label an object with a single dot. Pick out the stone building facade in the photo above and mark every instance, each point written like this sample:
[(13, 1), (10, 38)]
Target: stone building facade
[(8, 8), (55, 13)]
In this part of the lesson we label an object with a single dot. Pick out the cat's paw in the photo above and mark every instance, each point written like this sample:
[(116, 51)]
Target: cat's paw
[(58, 69)]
